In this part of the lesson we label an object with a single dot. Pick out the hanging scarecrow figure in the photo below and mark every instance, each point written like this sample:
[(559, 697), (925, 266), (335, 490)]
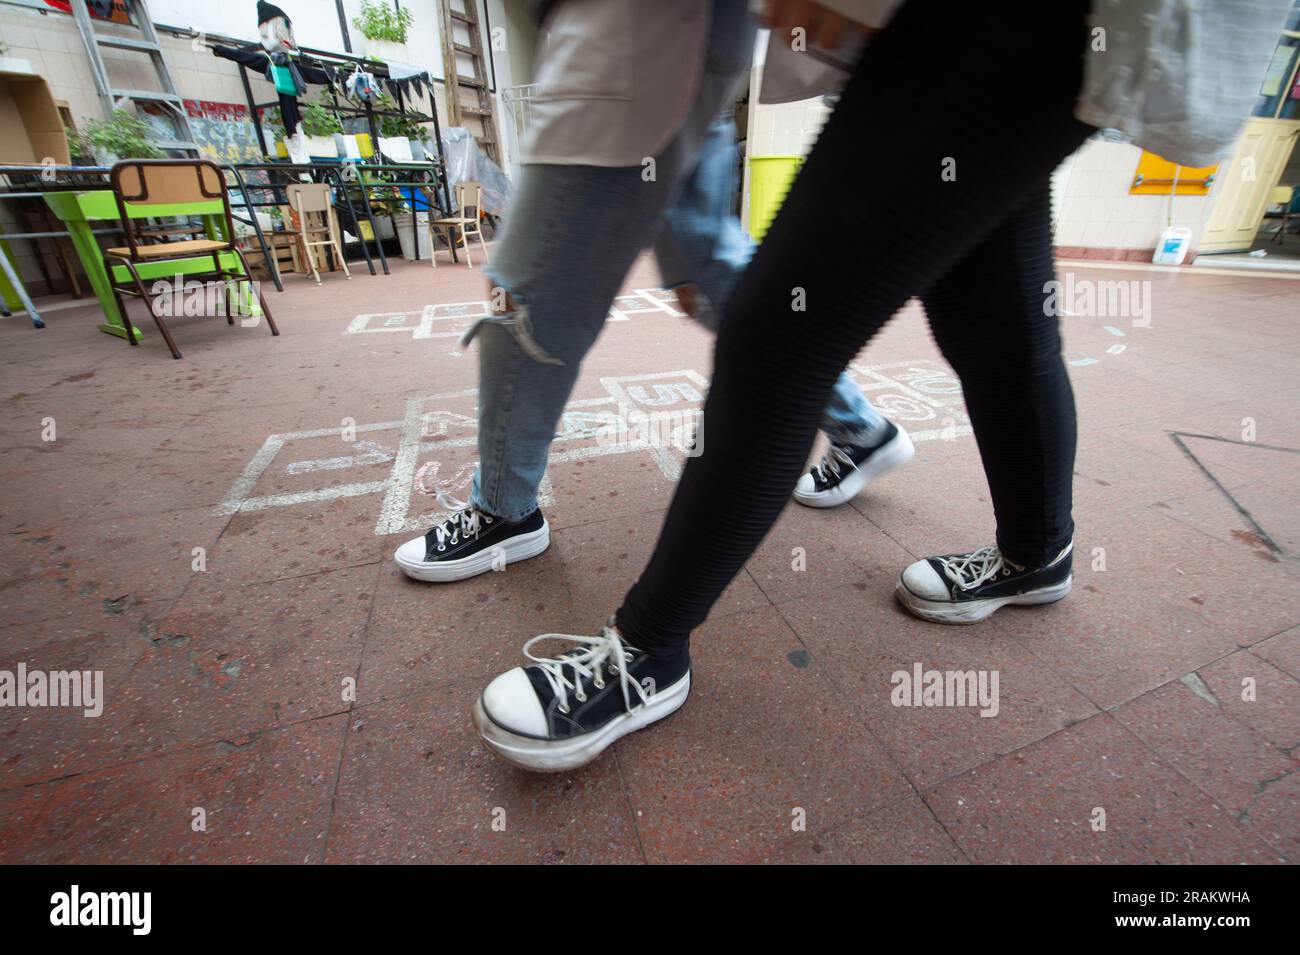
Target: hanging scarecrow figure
[(275, 28), (276, 32), (278, 61)]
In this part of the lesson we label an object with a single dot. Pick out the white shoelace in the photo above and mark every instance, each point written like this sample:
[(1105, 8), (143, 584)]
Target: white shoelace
[(831, 461), (968, 571), (592, 660), (465, 521)]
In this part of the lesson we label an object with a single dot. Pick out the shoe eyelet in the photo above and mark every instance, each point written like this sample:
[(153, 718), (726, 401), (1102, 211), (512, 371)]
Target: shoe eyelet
[(581, 699), (488, 519), (563, 708), (612, 669), (598, 684), (442, 547)]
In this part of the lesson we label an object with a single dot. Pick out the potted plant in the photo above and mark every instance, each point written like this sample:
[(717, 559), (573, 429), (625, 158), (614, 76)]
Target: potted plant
[(319, 126), (270, 218), (410, 227), (272, 136), (124, 136), (385, 28), (401, 126), (379, 21), (419, 139), (79, 150)]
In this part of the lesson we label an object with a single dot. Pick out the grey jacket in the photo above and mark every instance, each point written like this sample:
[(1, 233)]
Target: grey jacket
[(616, 77)]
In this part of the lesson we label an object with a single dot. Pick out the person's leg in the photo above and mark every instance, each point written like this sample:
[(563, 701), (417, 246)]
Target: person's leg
[(906, 148), (989, 318), (863, 445), (850, 417), (573, 234), (702, 244), (889, 154), (577, 230)]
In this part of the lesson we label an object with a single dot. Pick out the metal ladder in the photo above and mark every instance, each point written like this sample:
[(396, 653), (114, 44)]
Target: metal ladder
[(481, 106), (113, 98)]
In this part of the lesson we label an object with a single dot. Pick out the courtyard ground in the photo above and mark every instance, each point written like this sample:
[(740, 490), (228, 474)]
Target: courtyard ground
[(215, 535)]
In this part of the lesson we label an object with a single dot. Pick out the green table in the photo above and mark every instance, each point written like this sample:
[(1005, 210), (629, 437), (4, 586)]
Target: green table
[(79, 209)]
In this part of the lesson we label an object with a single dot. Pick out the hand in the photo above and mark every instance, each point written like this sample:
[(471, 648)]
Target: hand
[(823, 27), (687, 299)]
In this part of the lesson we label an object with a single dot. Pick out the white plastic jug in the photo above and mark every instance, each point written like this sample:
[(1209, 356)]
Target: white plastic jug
[(1172, 247)]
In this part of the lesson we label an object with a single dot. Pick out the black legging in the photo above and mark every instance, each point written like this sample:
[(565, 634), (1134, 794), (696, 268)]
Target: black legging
[(930, 178)]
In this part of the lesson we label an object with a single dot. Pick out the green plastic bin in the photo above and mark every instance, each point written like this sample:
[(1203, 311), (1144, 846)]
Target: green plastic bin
[(769, 181)]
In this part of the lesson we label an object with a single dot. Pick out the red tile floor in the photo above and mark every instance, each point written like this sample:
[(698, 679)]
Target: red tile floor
[(214, 535)]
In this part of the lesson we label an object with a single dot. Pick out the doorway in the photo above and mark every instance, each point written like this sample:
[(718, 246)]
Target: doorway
[(1262, 158)]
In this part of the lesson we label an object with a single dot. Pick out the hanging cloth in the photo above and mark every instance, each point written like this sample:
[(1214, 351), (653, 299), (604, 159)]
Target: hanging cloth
[(404, 77), (361, 85)]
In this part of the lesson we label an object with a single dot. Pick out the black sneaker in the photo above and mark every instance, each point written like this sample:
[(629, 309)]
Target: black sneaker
[(559, 713), (966, 588), (469, 543), (846, 469)]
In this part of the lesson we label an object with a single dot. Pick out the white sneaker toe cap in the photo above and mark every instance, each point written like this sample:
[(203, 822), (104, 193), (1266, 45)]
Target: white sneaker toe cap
[(806, 486), (511, 702), (412, 552), (924, 581)]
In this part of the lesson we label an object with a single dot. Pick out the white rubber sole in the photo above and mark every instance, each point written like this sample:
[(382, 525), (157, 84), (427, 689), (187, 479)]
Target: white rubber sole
[(516, 549), (973, 611), (557, 756), (898, 451)]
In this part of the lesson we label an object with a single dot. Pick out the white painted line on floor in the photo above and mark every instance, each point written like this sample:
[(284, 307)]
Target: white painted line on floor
[(420, 325), (1187, 269), (339, 463), (238, 500), (659, 304)]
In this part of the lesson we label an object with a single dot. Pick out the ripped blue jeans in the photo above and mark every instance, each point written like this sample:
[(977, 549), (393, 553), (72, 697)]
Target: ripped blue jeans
[(573, 234)]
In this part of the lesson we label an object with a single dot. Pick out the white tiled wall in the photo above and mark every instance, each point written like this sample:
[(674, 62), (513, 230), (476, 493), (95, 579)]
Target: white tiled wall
[(785, 129), (1092, 206), (1091, 202), (788, 129)]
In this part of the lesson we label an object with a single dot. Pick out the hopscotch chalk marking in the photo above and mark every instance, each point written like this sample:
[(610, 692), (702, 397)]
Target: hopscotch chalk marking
[(912, 392), (917, 392), (451, 320)]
